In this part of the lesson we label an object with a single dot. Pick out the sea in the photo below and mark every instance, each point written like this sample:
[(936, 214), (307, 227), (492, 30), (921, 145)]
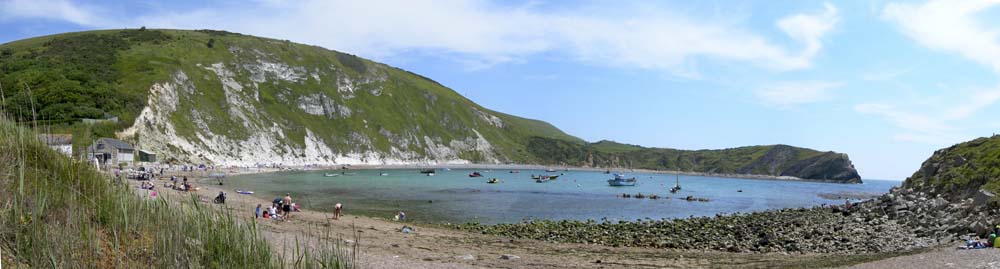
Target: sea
[(451, 196)]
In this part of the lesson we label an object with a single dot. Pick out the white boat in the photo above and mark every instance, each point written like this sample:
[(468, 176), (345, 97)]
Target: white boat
[(430, 174), (620, 180), (331, 175), (550, 170), (383, 174)]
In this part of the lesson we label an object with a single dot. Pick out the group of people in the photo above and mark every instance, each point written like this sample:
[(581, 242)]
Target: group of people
[(990, 242), (181, 186), (280, 209)]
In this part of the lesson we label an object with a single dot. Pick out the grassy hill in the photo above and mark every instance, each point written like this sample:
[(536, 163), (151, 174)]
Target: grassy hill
[(960, 171), (58, 213), (217, 97)]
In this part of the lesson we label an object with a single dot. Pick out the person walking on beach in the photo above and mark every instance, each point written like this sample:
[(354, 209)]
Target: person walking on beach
[(286, 203)]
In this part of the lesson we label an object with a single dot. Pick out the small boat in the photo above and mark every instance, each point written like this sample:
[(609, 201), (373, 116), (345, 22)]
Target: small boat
[(541, 180), (427, 171), (550, 170), (383, 174), (331, 175), (677, 185), (550, 177), (493, 181), (244, 192), (514, 171), (430, 174), (475, 174), (536, 177), (607, 171), (620, 180)]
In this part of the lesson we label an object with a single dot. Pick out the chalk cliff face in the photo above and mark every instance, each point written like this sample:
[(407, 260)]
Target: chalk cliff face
[(217, 97)]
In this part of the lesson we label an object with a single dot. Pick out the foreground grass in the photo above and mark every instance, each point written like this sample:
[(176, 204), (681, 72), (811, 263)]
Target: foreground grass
[(60, 213)]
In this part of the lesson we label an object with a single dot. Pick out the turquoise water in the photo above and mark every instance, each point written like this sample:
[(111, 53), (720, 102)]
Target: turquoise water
[(453, 197)]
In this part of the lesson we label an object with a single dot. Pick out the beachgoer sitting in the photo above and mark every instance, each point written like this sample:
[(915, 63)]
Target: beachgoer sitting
[(221, 199), (274, 212), (401, 216), (295, 208)]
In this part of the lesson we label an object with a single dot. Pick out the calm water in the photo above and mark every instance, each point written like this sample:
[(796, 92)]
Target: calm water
[(452, 196)]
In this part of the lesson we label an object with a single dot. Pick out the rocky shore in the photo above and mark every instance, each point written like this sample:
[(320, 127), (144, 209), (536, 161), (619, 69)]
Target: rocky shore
[(901, 220)]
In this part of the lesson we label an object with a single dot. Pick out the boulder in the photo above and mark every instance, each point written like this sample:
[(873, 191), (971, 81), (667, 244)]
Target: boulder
[(983, 198)]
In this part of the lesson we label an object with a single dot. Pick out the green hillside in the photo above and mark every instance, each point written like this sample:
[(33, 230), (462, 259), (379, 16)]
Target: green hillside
[(960, 171), (351, 104), (218, 97)]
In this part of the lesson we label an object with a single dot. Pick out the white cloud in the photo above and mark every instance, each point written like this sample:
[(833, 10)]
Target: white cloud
[(484, 33), (786, 94), (940, 122), (60, 10), (950, 26)]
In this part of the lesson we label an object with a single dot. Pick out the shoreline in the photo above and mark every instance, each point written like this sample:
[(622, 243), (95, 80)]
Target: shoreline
[(530, 166)]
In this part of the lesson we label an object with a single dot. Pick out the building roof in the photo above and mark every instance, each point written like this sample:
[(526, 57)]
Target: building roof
[(56, 139), (114, 143)]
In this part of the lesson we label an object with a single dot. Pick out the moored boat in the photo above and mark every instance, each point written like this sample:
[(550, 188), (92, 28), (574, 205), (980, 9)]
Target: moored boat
[(331, 175), (620, 180), (427, 171), (677, 185), (493, 181), (475, 174)]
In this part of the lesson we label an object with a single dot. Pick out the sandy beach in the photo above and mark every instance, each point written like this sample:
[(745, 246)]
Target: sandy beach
[(383, 245)]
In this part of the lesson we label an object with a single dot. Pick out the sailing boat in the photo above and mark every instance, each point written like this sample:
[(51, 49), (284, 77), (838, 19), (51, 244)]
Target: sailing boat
[(677, 184)]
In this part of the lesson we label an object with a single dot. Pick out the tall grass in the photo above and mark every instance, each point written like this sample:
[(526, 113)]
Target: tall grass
[(56, 212)]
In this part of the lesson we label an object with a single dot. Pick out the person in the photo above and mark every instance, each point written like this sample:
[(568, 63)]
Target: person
[(267, 213), (337, 211), (991, 242), (274, 212), (256, 212), (287, 205), (401, 216), (276, 202), (221, 199)]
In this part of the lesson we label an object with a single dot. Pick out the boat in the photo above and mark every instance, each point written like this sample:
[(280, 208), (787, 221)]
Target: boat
[(550, 177), (331, 175), (514, 171), (427, 171), (620, 180), (677, 185), (536, 177), (475, 174), (607, 171), (541, 180), (383, 174), (550, 170), (493, 181), (244, 192), (430, 174)]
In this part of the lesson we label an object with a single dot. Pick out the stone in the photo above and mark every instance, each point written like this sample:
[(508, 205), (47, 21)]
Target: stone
[(467, 257), (509, 257)]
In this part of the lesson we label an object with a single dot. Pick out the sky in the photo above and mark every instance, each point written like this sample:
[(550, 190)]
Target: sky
[(887, 82)]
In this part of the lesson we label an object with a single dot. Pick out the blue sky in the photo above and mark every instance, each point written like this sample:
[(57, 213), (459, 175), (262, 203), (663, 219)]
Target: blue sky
[(887, 82)]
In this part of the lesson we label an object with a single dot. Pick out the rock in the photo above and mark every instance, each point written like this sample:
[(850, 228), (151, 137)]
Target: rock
[(467, 257), (983, 197), (509, 257)]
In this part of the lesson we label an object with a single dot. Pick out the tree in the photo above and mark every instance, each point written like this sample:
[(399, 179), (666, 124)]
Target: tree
[(211, 43)]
